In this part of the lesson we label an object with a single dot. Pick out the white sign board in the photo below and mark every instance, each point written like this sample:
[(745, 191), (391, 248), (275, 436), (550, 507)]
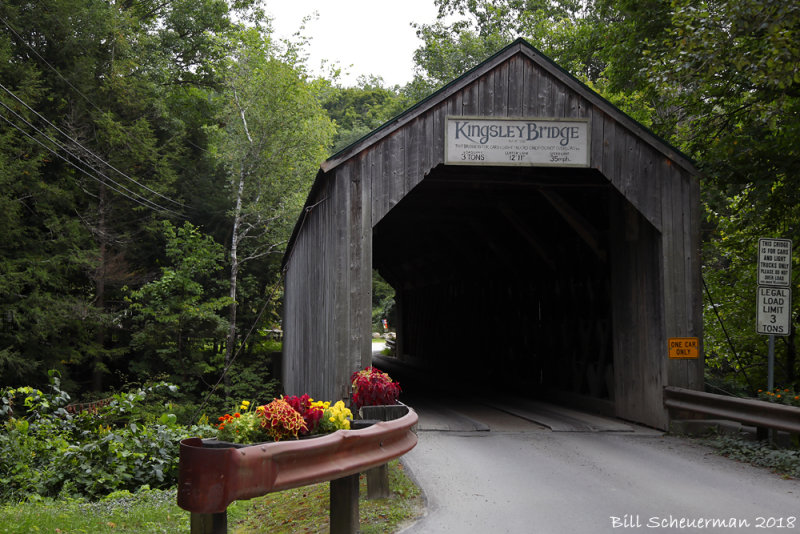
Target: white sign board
[(774, 262), (501, 141), (774, 310)]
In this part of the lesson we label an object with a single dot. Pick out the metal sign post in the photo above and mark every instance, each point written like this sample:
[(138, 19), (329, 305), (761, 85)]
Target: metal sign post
[(774, 300)]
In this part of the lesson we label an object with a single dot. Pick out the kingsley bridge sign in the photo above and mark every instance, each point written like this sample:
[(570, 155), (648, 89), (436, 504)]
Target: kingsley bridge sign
[(500, 141)]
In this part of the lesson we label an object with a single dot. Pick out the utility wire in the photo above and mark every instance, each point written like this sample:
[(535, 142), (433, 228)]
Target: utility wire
[(65, 149), (19, 37), (275, 287), (49, 65), (92, 154), (725, 331), (143, 202)]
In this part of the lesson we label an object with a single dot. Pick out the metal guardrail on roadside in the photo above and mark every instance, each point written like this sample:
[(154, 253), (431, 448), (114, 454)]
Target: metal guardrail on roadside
[(749, 411), (211, 478)]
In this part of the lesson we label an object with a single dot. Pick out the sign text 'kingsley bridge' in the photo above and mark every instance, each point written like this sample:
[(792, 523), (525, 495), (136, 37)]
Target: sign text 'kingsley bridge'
[(499, 141)]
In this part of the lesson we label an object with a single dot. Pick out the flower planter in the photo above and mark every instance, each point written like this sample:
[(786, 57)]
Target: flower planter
[(213, 475)]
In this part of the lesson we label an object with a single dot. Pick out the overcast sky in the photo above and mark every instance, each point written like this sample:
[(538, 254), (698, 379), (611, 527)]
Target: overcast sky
[(375, 37)]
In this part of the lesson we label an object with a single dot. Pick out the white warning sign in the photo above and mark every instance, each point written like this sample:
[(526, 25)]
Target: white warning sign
[(774, 262), (774, 310)]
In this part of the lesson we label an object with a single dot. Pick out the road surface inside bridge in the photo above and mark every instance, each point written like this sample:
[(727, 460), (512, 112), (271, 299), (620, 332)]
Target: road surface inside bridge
[(498, 466)]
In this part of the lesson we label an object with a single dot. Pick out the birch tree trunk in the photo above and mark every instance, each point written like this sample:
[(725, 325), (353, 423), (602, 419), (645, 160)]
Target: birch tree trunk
[(237, 222)]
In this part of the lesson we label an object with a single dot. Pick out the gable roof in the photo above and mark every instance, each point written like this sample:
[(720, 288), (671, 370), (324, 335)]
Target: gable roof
[(519, 46)]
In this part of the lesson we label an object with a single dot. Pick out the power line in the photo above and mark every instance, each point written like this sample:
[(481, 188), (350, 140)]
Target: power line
[(144, 200), (98, 158), (49, 65), (19, 37), (84, 171)]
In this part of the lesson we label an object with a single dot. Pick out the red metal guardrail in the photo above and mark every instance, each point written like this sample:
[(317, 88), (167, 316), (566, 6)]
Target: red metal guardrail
[(749, 411), (209, 479)]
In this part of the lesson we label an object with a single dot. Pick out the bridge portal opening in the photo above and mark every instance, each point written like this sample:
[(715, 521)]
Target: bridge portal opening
[(502, 277)]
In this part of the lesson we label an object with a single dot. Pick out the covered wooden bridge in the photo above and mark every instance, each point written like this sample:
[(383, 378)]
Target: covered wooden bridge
[(538, 240)]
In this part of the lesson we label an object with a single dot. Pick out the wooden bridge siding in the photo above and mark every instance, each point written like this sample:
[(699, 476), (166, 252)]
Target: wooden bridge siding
[(328, 320), (682, 283), (639, 338)]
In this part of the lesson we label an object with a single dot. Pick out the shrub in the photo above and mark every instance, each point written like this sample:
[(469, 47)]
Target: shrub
[(786, 396), (47, 451)]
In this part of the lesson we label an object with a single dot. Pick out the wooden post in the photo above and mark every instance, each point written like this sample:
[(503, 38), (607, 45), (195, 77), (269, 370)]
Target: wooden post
[(344, 505), (209, 523), (378, 477), (378, 482)]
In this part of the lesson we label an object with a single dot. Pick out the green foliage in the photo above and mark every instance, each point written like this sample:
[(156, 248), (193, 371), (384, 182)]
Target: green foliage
[(359, 110), (176, 317), (783, 461), (383, 303), (47, 451)]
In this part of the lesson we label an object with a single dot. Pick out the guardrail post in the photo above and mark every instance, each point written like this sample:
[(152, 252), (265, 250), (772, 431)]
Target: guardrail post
[(344, 505), (378, 482), (209, 523)]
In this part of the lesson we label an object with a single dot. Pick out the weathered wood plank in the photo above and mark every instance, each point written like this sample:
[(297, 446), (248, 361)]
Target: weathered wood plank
[(598, 139), (575, 105), (500, 105), (338, 362), (437, 141), (487, 96), (413, 142), (516, 89), (470, 101)]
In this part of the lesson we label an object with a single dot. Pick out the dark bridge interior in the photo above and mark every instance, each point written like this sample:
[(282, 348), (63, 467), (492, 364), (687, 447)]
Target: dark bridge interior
[(502, 276)]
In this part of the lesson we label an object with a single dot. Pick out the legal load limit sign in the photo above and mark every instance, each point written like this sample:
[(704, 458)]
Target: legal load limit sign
[(774, 310)]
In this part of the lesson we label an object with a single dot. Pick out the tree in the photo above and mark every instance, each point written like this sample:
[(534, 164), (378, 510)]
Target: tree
[(358, 110), (273, 137), (97, 98), (176, 316), (729, 69)]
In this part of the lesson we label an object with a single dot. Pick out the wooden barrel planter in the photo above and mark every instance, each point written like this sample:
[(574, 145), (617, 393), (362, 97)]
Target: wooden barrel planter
[(213, 475)]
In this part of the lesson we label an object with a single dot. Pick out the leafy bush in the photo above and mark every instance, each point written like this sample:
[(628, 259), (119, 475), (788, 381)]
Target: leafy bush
[(47, 451), (786, 396), (783, 461)]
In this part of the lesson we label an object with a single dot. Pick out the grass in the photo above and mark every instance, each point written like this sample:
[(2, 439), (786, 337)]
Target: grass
[(154, 511), (307, 509)]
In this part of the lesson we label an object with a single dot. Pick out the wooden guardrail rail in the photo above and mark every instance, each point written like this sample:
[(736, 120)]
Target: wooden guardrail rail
[(749, 411)]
